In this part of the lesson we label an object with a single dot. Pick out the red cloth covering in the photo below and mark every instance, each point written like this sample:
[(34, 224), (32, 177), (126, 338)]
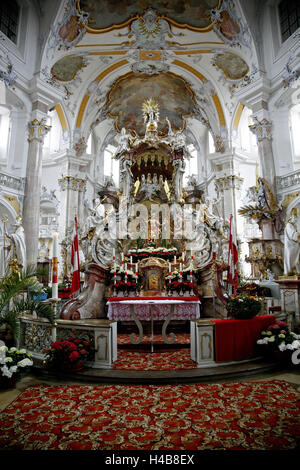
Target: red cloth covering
[(235, 340), (116, 299)]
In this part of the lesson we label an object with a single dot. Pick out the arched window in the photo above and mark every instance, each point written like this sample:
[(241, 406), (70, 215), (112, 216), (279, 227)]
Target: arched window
[(53, 137), (247, 138), (89, 144), (4, 131), (295, 134), (211, 143), (111, 166), (191, 167)]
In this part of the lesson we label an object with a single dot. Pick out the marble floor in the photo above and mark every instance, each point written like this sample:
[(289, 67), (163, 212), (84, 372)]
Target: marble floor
[(7, 396)]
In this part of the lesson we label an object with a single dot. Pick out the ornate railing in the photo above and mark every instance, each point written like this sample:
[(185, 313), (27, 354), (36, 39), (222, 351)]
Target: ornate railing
[(286, 181), (13, 182)]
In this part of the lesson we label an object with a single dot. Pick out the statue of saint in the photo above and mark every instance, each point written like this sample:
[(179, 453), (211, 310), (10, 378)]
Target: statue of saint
[(123, 141), (17, 239), (291, 244)]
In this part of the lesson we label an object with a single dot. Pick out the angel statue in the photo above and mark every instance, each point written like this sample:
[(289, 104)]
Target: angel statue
[(123, 141)]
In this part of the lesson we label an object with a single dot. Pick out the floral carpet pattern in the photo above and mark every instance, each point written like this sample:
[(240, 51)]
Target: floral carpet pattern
[(167, 360), (175, 357), (182, 338), (243, 416)]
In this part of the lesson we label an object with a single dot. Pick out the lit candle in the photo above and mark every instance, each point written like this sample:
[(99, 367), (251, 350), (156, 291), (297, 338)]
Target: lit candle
[(170, 269), (183, 257), (180, 269), (175, 262), (130, 262), (122, 255), (114, 254)]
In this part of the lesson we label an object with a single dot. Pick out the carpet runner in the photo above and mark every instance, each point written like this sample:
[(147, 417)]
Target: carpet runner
[(181, 338), (173, 357), (165, 360), (230, 416)]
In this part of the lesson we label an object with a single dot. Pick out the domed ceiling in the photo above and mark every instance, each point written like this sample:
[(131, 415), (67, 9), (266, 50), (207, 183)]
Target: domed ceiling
[(110, 14), (108, 56), (175, 97)]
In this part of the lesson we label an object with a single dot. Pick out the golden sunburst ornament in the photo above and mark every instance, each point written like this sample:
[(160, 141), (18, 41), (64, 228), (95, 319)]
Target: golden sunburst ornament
[(150, 110)]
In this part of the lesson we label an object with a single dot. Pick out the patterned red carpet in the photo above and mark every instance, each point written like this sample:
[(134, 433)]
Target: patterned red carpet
[(245, 416), (164, 360), (171, 358), (181, 338)]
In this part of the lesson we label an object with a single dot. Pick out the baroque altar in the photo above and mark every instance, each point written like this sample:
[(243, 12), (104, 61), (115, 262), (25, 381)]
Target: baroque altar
[(151, 237)]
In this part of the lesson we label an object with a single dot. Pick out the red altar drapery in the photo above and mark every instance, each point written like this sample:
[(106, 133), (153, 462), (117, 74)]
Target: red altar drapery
[(235, 340)]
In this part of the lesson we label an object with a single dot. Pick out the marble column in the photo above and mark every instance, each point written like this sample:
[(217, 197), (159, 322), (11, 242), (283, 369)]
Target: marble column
[(31, 209), (263, 133), (72, 204)]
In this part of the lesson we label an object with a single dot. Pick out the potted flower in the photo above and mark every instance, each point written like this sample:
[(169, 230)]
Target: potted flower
[(277, 341), (243, 307), (13, 362), (69, 355)]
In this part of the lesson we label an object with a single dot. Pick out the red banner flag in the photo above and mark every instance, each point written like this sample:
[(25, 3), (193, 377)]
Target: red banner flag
[(75, 262), (232, 257)]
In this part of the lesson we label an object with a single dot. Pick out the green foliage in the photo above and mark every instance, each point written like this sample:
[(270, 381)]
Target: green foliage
[(12, 303), (243, 306)]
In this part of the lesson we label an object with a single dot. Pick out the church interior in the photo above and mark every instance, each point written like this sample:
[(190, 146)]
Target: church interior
[(149, 225)]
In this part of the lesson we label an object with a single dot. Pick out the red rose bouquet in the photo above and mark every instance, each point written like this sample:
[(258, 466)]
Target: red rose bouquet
[(69, 355)]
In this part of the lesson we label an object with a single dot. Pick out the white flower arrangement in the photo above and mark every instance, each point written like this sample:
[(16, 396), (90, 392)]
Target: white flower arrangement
[(13, 360), (279, 337)]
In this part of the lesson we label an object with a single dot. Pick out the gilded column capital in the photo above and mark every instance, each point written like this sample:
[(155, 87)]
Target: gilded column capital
[(228, 182), (73, 183), (262, 129), (37, 130)]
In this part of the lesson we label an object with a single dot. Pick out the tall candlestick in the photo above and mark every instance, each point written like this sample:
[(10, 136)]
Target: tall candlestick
[(170, 268), (180, 269), (183, 257), (130, 262), (114, 254), (175, 262), (122, 256), (55, 266)]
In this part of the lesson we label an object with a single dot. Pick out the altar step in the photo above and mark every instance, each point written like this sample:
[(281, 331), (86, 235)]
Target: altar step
[(251, 369), (175, 326)]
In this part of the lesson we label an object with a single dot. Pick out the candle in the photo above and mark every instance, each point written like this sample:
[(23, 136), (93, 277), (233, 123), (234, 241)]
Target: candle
[(114, 254), (136, 269), (130, 262), (180, 269), (170, 269), (183, 257), (122, 255), (54, 266), (175, 262), (192, 255), (55, 245)]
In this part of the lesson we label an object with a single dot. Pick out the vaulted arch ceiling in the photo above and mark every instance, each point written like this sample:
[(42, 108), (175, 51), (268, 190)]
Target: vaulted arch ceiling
[(204, 45)]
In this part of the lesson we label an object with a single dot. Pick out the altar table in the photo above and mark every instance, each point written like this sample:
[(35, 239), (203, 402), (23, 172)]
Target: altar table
[(153, 308), (235, 340)]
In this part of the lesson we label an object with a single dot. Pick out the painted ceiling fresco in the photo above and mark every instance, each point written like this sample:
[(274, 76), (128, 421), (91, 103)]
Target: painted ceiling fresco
[(105, 14), (233, 66), (172, 93), (67, 68)]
